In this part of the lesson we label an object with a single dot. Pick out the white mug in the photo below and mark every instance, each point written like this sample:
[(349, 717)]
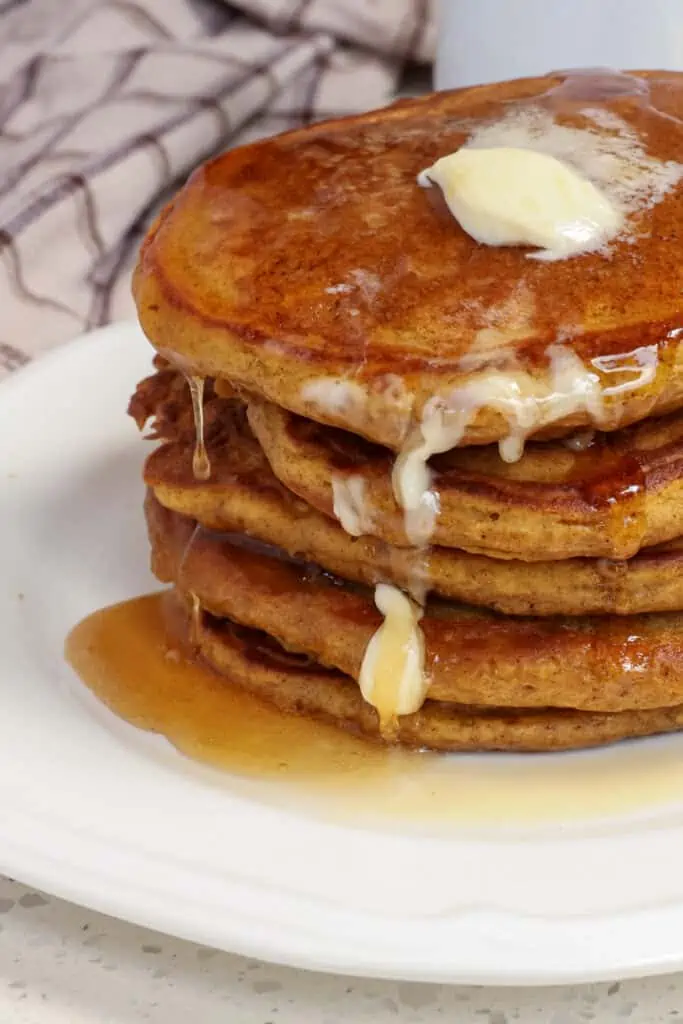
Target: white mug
[(492, 40)]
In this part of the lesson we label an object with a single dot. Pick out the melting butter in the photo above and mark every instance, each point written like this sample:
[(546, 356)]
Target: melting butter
[(392, 676), (509, 196), (195, 615), (351, 505), (527, 405), (335, 396)]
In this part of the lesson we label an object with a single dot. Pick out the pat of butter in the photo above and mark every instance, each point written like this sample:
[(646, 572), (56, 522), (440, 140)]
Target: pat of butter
[(507, 196)]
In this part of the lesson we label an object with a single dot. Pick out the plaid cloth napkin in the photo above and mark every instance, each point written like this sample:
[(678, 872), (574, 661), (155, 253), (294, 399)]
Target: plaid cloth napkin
[(106, 105)]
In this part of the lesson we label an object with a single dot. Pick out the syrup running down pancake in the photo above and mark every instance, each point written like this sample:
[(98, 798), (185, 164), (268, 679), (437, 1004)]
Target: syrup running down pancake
[(244, 496), (620, 493)]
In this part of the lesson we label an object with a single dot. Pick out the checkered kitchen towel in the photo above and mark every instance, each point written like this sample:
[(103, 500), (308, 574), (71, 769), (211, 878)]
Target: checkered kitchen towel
[(106, 105)]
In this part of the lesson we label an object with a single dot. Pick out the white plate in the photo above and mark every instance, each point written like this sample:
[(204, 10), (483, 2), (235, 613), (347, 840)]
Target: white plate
[(96, 812)]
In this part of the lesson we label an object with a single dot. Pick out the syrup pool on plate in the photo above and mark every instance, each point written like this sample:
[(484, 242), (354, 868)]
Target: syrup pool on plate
[(133, 662)]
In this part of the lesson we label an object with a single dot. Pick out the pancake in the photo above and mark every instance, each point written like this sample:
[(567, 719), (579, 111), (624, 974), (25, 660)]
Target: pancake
[(244, 496), (254, 661), (622, 493), (311, 269), (605, 664)]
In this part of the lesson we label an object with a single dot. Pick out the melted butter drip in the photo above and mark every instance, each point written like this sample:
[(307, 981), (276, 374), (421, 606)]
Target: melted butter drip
[(351, 505), (335, 396), (356, 517), (527, 404), (392, 677), (132, 661), (590, 176), (201, 465)]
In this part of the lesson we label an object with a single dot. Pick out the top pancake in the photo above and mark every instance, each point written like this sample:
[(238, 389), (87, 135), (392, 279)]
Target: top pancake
[(316, 255)]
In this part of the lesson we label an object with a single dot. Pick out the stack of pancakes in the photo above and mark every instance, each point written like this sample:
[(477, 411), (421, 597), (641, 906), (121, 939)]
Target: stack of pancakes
[(314, 313)]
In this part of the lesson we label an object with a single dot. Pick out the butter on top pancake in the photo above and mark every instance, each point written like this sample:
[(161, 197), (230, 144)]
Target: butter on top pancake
[(244, 496), (311, 267), (254, 662), (623, 492), (605, 664)]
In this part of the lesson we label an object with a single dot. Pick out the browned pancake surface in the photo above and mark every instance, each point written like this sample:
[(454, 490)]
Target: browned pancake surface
[(315, 253)]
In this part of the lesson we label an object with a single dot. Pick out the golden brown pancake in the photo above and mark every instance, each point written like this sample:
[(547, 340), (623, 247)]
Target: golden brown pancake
[(314, 255), (605, 664), (255, 662), (243, 496), (621, 494)]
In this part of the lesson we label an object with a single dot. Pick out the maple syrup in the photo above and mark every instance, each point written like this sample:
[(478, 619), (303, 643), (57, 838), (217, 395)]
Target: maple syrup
[(618, 489), (201, 465), (134, 662)]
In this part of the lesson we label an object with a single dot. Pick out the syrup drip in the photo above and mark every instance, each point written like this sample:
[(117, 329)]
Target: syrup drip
[(195, 617), (131, 658), (201, 465), (627, 521)]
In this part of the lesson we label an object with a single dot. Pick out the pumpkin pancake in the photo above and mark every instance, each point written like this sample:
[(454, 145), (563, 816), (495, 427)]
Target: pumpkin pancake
[(255, 662), (605, 664), (311, 268), (622, 493), (244, 496)]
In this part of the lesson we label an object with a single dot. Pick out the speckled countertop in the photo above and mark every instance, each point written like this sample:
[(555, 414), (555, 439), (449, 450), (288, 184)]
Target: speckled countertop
[(60, 964)]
